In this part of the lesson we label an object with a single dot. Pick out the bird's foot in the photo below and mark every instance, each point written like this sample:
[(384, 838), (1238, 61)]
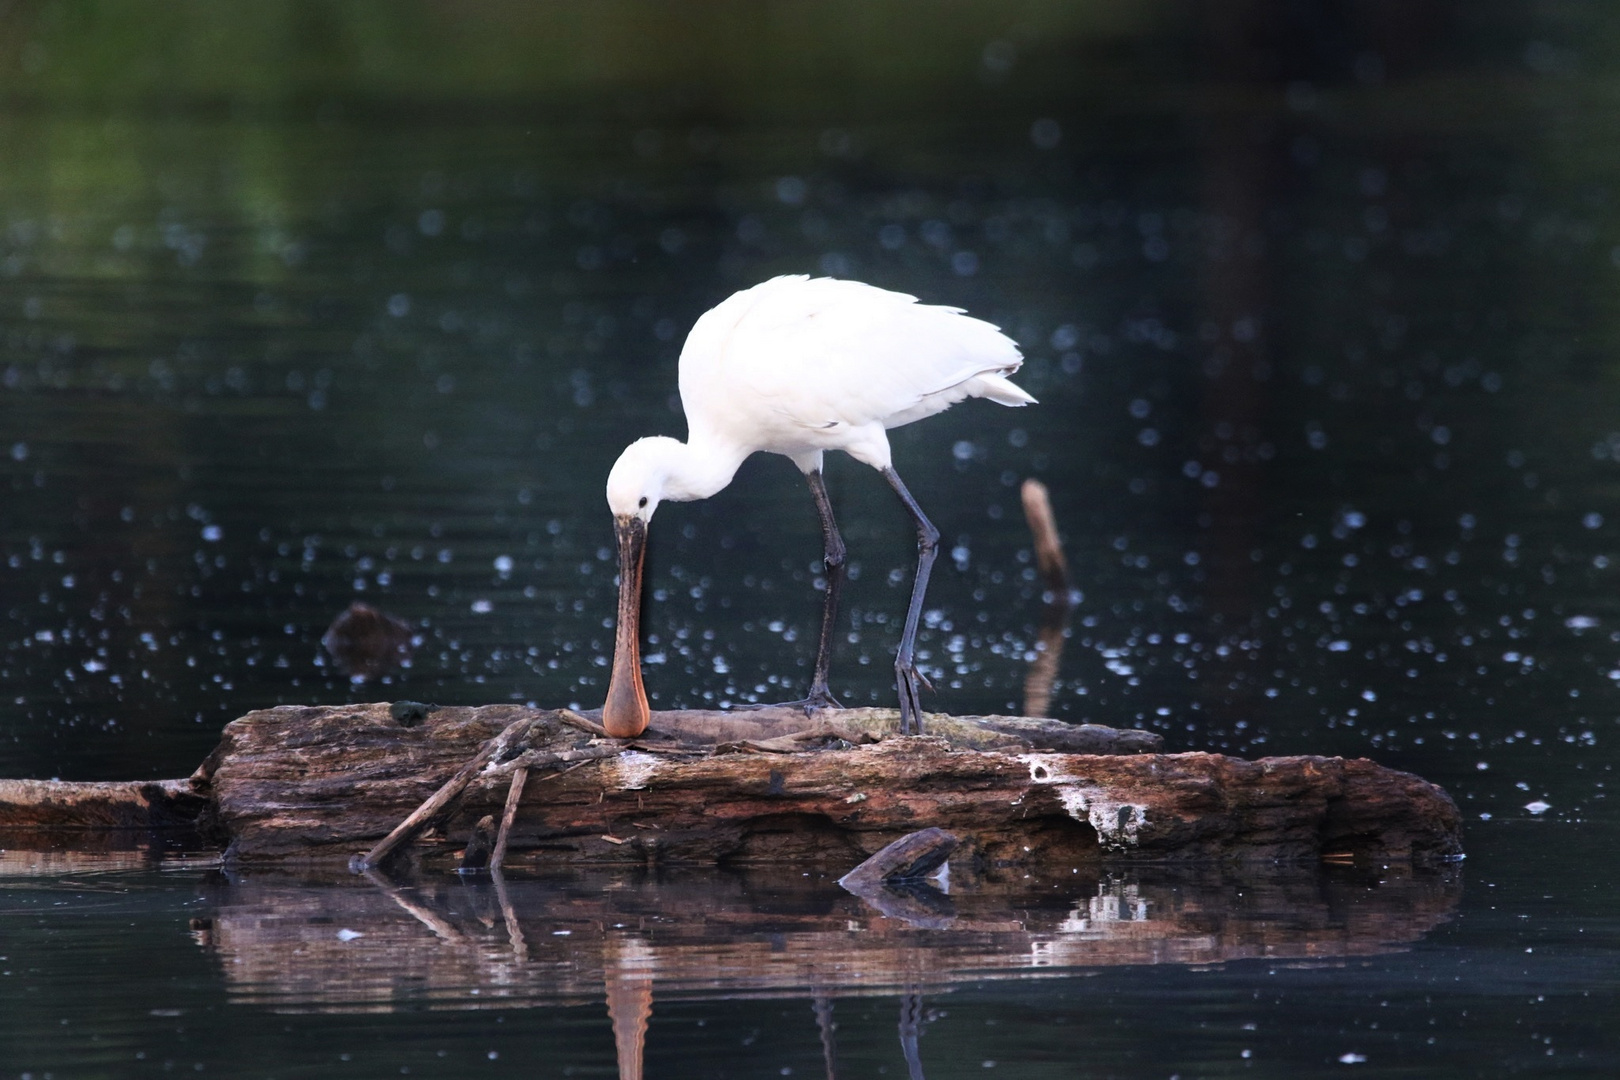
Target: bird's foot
[(818, 699), (910, 682)]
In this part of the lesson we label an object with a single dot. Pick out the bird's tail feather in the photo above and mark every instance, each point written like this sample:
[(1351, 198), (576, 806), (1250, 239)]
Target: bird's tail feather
[(999, 390)]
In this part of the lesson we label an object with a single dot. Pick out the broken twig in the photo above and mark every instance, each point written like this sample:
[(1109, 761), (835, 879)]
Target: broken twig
[(514, 732), (539, 759), (573, 719), (514, 793)]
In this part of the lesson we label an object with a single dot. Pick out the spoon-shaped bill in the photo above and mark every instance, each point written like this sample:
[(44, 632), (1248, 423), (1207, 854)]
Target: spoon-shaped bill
[(625, 713)]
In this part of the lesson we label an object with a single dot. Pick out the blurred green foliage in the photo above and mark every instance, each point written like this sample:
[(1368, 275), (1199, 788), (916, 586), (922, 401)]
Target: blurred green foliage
[(737, 57)]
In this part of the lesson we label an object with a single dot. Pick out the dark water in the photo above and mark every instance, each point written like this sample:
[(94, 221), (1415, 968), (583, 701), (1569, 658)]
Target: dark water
[(308, 304), (1144, 972)]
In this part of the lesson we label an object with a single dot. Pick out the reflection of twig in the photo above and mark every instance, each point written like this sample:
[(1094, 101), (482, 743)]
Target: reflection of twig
[(421, 913), (514, 932), (1054, 570)]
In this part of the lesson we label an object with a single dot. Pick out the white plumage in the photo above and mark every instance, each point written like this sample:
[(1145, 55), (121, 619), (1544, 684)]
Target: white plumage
[(799, 366)]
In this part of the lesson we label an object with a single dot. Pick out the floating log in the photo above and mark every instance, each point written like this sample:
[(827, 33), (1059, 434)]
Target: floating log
[(323, 783), (327, 783)]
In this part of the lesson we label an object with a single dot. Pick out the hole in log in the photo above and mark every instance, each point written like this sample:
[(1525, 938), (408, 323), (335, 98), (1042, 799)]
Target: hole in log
[(1361, 848), (1039, 772), (800, 839), (1052, 841), (1350, 834)]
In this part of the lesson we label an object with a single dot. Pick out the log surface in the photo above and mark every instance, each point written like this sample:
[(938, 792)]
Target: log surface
[(115, 804), (324, 783)]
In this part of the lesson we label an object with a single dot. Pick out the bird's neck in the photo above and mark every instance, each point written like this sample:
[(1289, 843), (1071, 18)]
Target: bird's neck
[(699, 468)]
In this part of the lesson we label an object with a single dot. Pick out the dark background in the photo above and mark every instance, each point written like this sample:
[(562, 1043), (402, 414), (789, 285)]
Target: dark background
[(302, 303), (307, 302)]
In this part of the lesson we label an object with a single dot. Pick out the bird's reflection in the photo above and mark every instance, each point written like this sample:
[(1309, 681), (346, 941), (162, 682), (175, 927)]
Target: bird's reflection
[(911, 1026), (822, 1002), (628, 968)]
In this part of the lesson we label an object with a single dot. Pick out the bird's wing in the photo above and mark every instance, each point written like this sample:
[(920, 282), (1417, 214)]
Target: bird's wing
[(825, 352)]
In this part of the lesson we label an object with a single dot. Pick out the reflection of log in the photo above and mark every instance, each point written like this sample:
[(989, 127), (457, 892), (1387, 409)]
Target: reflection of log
[(280, 942), (325, 782)]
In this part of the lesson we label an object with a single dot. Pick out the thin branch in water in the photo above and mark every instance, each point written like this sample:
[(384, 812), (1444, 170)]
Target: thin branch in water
[(1054, 571)]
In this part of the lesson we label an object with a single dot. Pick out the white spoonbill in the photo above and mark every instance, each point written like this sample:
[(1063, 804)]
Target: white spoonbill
[(798, 367)]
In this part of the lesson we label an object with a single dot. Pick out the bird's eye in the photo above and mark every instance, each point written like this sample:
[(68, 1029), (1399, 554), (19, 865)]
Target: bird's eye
[(643, 501)]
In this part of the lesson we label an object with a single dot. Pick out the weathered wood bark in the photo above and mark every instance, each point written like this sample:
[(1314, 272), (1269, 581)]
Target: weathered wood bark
[(121, 804), (324, 783)]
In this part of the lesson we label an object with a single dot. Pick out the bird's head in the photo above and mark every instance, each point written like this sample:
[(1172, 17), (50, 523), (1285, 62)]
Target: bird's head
[(638, 482)]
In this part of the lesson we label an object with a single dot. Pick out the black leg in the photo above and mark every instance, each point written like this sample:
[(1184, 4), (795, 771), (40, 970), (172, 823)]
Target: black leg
[(833, 547), (907, 677)]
